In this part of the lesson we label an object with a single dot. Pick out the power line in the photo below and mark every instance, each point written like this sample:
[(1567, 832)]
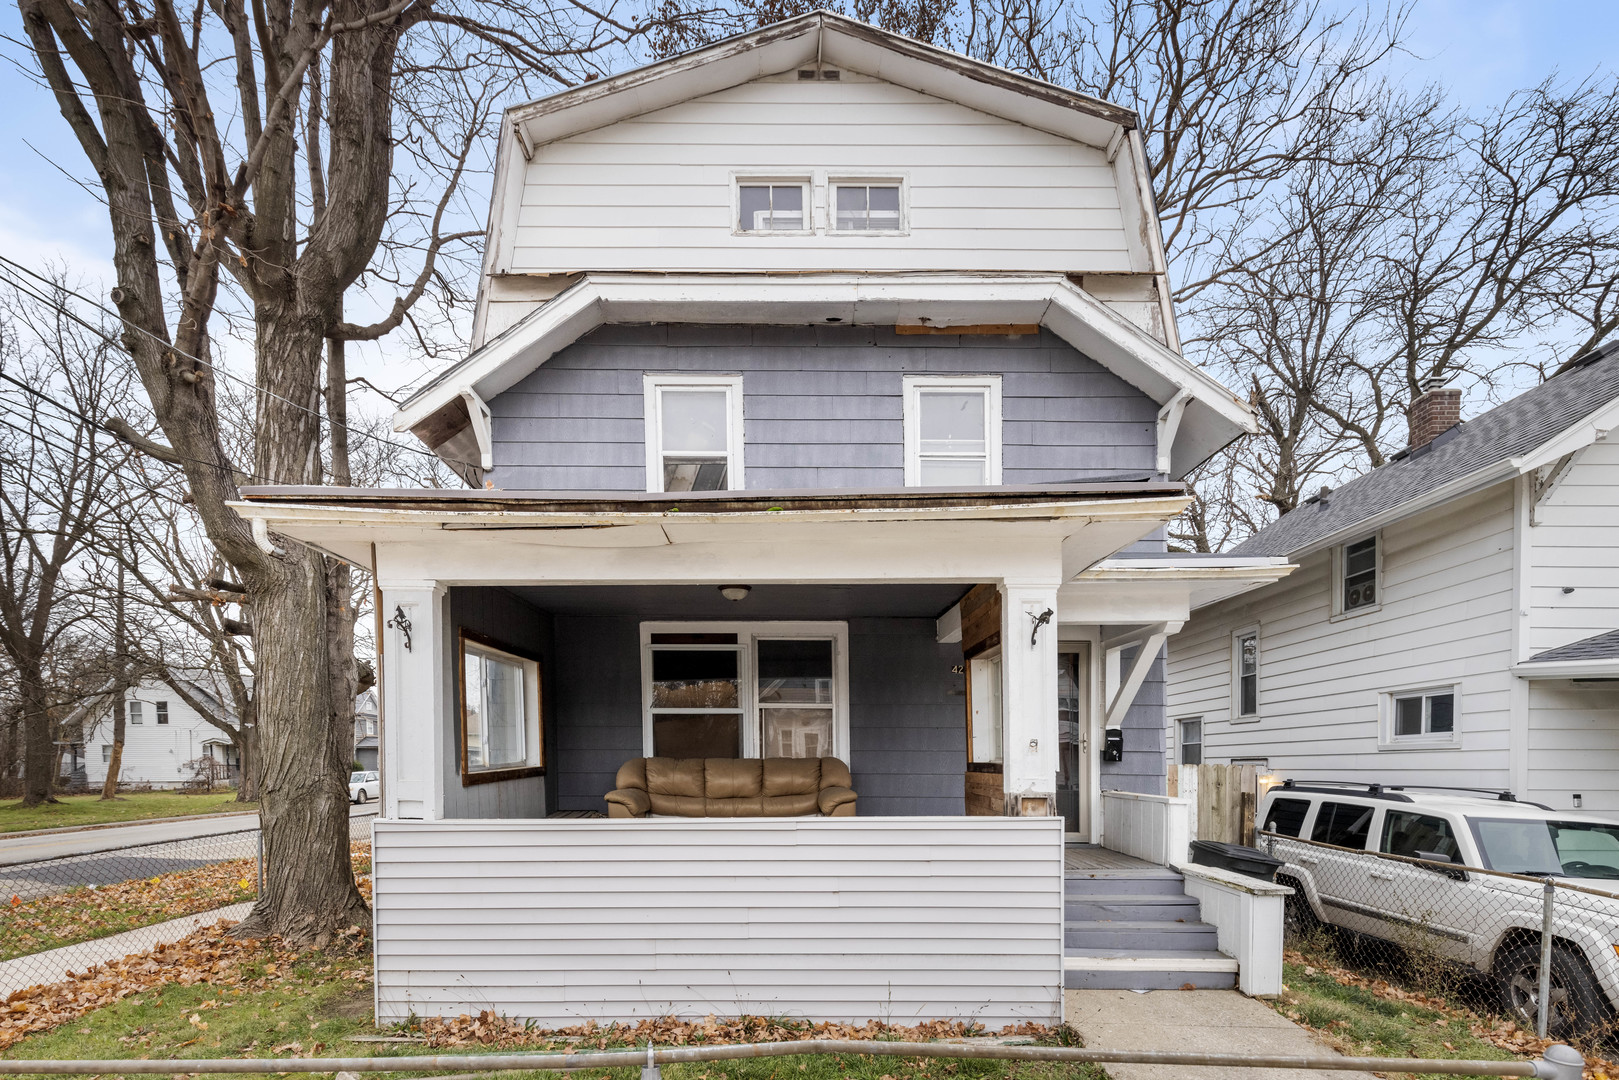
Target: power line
[(255, 387)]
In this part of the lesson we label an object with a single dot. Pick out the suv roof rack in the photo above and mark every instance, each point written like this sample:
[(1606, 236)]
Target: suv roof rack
[(1356, 787), (1501, 794)]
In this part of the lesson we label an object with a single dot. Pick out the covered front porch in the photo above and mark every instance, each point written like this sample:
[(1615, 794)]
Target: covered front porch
[(970, 656)]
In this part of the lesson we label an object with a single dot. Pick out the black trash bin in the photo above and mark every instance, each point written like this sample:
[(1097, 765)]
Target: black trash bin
[(1250, 862)]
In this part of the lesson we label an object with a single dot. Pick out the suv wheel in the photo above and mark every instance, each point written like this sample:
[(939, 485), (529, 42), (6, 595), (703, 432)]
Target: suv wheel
[(1576, 1000)]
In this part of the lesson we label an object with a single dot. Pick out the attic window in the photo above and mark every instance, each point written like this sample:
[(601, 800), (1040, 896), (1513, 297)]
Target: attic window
[(867, 206), (772, 207)]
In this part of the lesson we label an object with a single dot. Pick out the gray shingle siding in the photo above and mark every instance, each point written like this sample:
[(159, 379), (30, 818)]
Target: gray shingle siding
[(822, 406), (1142, 770)]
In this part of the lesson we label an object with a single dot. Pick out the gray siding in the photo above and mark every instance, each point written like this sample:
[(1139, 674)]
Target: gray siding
[(907, 728), (1142, 770), (497, 614), (822, 406)]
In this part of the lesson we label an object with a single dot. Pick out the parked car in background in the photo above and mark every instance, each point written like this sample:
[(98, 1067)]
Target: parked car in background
[(1402, 865), (363, 787)]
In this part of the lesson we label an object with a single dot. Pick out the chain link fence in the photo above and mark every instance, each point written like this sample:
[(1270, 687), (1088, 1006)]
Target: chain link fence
[(66, 913), (1535, 948)]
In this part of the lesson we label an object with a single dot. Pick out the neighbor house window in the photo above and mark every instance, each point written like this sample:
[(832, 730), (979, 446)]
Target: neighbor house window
[(694, 432), (952, 431), (162, 710), (134, 714), (1245, 673), (500, 711), (745, 690), (766, 206), (867, 206), (1191, 741), (1420, 718), (106, 753), (1358, 562)]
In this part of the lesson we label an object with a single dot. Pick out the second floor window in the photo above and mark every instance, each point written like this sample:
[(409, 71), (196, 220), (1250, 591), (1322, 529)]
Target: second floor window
[(162, 709), (862, 206), (952, 431), (1360, 574), (694, 432), (134, 715), (1245, 672), (776, 206)]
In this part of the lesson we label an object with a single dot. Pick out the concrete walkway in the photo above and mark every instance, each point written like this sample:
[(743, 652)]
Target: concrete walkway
[(53, 965), (1213, 1021)]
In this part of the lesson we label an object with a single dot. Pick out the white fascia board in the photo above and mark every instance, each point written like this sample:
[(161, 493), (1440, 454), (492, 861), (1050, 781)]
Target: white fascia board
[(1195, 583), (1568, 669), (1214, 416), (838, 42)]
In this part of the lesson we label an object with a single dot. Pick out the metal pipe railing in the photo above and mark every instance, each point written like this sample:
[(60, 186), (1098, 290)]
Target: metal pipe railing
[(1560, 1062)]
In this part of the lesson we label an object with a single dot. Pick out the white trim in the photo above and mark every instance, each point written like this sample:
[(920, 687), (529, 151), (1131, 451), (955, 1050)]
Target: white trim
[(1445, 740), (989, 385), (1568, 669), (652, 387), (803, 180), (749, 634), (1339, 564), (855, 179), (1237, 715)]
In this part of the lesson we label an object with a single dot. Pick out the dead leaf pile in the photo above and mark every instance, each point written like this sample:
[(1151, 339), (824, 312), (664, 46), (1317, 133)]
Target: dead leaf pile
[(489, 1029), (1498, 1031)]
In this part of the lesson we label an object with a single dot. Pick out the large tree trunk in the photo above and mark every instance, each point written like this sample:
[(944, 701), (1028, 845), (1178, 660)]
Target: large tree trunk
[(39, 743), (309, 890), (120, 685), (247, 756)]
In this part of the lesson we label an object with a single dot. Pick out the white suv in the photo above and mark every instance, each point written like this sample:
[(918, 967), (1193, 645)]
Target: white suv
[(1323, 832)]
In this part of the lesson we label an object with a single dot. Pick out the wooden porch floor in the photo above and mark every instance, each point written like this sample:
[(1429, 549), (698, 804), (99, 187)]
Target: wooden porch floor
[(1087, 857)]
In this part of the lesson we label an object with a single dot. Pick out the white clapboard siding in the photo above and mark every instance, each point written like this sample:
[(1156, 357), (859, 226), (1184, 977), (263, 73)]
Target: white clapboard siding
[(1574, 744), (1573, 545), (848, 919), (1446, 617), (655, 192)]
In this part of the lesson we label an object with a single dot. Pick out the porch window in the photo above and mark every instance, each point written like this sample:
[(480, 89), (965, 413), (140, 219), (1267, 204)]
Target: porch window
[(694, 432), (746, 690), (500, 709), (952, 431)]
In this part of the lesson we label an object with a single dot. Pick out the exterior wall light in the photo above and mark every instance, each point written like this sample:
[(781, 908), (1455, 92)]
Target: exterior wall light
[(735, 592)]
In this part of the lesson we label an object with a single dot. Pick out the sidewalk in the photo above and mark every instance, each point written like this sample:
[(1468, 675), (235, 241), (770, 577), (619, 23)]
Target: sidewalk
[(1212, 1021), (53, 965)]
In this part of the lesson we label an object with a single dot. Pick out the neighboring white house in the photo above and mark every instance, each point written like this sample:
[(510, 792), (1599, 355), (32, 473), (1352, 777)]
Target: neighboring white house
[(367, 736), (1452, 618), (163, 736)]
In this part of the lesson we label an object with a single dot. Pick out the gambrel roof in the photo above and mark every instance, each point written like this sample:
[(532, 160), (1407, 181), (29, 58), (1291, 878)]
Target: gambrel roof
[(1536, 428)]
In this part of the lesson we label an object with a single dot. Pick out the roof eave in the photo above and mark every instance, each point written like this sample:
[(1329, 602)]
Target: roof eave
[(1604, 668)]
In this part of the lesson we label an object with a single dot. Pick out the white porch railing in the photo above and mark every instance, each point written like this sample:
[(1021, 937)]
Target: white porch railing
[(847, 919), (1152, 827)]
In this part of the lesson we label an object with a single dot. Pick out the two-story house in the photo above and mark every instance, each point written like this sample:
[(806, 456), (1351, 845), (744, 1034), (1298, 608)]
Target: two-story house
[(167, 743), (1453, 618), (824, 403)]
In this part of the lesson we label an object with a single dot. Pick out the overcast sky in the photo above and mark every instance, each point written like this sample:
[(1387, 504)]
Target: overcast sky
[(1481, 49)]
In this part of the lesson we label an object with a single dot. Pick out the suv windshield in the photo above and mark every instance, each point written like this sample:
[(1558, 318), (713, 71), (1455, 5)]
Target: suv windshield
[(1575, 848)]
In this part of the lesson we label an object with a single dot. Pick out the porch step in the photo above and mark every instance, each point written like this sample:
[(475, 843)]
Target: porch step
[(1154, 907), (1138, 934), (1146, 969), (1123, 883)]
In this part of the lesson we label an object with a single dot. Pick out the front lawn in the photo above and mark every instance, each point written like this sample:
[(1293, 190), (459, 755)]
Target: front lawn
[(210, 996), (71, 810)]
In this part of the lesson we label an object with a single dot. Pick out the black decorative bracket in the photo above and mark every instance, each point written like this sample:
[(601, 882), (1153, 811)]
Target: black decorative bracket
[(401, 622), (1039, 621)]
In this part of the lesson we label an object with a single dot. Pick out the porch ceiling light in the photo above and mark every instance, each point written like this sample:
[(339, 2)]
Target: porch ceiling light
[(735, 592)]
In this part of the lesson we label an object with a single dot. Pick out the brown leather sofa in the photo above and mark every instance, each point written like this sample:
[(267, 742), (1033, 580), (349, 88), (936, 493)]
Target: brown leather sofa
[(732, 787)]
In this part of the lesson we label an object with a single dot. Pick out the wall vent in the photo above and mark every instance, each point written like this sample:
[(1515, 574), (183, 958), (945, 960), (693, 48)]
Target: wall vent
[(806, 74), (831, 76)]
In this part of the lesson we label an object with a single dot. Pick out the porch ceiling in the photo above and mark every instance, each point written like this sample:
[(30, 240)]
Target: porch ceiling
[(809, 603)]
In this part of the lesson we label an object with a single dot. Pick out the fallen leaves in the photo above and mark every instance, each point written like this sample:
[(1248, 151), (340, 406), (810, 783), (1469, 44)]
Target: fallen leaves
[(488, 1029)]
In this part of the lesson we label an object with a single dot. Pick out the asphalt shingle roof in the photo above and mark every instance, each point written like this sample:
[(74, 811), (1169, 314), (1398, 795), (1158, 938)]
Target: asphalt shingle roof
[(1507, 431), (1600, 647)]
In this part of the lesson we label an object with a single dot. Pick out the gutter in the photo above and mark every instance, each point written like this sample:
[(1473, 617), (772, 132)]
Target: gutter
[(1606, 668)]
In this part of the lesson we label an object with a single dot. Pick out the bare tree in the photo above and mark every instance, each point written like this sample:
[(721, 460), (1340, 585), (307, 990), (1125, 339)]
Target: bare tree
[(250, 153), (58, 381)]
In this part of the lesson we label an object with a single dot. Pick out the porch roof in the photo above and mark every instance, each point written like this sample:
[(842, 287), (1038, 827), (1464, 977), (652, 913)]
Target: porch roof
[(903, 529)]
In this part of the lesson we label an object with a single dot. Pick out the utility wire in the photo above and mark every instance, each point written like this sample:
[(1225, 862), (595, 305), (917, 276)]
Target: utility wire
[(109, 339)]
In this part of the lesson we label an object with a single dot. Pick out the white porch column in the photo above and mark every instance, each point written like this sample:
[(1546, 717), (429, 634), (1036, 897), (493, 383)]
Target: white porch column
[(1029, 696), (415, 698)]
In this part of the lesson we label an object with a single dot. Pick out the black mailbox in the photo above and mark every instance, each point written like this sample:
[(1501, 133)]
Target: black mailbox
[(1113, 745)]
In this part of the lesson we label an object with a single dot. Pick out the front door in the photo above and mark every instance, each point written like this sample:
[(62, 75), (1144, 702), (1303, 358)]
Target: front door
[(1073, 737)]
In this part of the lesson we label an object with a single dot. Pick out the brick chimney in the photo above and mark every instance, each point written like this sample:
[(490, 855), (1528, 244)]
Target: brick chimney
[(1433, 412)]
